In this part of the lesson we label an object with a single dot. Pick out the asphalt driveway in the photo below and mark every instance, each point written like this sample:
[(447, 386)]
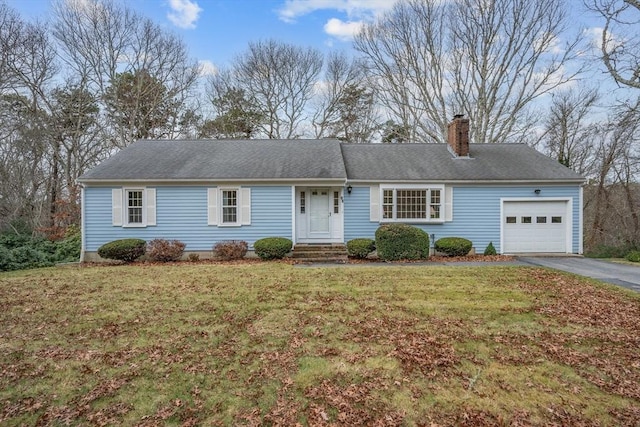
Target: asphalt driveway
[(609, 272)]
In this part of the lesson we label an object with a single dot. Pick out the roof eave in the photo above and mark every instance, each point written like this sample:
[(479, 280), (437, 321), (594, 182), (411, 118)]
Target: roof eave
[(474, 181), (106, 181)]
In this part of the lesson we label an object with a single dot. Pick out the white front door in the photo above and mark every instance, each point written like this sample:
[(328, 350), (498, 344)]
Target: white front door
[(319, 213)]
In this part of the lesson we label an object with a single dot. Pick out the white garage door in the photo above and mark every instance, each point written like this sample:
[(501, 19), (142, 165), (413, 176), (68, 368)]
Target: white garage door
[(535, 226)]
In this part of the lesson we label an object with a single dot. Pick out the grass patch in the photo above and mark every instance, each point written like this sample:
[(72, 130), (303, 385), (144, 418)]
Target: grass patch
[(267, 343)]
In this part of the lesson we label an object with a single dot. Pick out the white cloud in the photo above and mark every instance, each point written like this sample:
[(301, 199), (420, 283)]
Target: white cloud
[(184, 13), (342, 30), (353, 8), (595, 34), (208, 68)]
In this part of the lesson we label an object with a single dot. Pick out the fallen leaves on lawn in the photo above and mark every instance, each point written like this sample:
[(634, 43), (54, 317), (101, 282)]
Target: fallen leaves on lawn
[(355, 404), (592, 314)]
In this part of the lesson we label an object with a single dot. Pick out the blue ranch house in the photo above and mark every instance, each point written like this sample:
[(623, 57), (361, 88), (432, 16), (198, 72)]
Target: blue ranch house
[(324, 191)]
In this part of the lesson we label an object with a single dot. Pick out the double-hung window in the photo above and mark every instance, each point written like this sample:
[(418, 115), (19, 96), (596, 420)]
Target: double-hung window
[(133, 207), (412, 204), (229, 206)]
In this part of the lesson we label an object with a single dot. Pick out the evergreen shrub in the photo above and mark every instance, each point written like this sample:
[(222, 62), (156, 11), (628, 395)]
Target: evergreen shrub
[(127, 250), (633, 256), (401, 241), (490, 250), (453, 246), (360, 248), (272, 247)]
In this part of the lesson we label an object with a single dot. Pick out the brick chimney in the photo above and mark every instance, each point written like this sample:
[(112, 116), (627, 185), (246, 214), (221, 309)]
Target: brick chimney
[(458, 136)]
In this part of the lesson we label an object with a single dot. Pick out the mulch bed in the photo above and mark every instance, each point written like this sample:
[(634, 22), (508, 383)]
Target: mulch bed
[(439, 259)]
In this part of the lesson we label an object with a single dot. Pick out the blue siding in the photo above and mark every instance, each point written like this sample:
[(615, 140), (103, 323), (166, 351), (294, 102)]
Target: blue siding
[(476, 213), (182, 214)]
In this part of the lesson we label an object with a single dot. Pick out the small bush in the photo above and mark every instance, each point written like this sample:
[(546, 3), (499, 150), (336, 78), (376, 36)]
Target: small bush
[(490, 250), (401, 241), (68, 249), (194, 257), (606, 251), (360, 248), (162, 250), (126, 250), (633, 256), (272, 247), (231, 249), (453, 246)]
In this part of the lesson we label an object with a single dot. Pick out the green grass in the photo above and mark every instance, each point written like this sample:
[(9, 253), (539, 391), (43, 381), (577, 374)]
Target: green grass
[(622, 261), (268, 343)]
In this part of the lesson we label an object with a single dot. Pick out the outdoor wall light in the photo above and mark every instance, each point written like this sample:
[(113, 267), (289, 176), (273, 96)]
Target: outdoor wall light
[(349, 188), (537, 191)]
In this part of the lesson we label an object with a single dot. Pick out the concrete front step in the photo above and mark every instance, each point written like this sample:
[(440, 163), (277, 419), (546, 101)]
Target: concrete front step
[(301, 247), (323, 260), (328, 253)]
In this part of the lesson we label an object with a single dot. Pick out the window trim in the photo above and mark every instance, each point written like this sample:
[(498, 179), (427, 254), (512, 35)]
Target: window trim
[(238, 221), (428, 189), (125, 207)]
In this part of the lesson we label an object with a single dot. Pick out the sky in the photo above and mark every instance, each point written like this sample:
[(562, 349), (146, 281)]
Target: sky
[(215, 31)]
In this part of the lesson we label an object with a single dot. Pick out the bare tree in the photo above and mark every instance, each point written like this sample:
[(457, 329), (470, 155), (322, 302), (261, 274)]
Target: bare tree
[(612, 197), (11, 29), (489, 60), (567, 134), (102, 41), (620, 40), (28, 67), (279, 78), (340, 73)]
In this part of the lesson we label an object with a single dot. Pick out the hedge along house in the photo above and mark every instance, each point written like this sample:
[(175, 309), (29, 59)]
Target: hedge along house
[(324, 191)]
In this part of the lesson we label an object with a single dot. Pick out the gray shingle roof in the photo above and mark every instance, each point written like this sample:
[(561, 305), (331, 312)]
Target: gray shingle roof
[(223, 159), (324, 159), (434, 162)]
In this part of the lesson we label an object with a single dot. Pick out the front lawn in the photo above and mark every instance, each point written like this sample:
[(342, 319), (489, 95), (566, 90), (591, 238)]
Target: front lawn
[(269, 343)]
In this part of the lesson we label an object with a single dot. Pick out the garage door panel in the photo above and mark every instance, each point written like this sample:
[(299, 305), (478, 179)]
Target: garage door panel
[(534, 226)]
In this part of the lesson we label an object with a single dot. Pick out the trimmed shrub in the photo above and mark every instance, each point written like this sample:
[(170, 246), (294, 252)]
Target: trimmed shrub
[(126, 250), (194, 257), (360, 248), (633, 256), (231, 249), (272, 247), (453, 246), (490, 250), (401, 241), (162, 250)]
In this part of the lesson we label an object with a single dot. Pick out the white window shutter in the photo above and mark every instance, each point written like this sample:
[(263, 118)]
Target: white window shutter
[(212, 206), (151, 206), (448, 203), (245, 206), (374, 203), (116, 207)]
